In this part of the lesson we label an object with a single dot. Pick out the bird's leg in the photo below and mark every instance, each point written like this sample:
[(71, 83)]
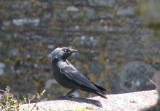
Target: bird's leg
[(70, 92)]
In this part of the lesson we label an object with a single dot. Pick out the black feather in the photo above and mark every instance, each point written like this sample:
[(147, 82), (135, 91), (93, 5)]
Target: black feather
[(68, 76)]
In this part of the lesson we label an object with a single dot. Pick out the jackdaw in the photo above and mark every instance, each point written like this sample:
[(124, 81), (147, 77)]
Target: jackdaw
[(68, 76)]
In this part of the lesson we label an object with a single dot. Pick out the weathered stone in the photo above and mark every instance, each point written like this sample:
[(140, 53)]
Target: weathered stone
[(90, 13), (125, 11), (83, 40), (78, 15), (51, 46), (134, 101), (23, 21), (72, 8), (49, 83), (135, 76), (6, 23), (106, 3), (2, 66), (105, 14), (13, 52), (113, 81), (61, 15)]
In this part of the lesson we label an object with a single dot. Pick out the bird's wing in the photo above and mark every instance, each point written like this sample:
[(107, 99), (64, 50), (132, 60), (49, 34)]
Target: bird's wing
[(77, 77)]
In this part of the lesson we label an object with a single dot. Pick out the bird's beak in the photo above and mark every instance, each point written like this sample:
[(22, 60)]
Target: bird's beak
[(73, 50)]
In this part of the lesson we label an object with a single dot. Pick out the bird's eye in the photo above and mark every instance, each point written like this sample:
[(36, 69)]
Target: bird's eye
[(66, 50)]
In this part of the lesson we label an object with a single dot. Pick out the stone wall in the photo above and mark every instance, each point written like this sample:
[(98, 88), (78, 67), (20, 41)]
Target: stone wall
[(106, 33)]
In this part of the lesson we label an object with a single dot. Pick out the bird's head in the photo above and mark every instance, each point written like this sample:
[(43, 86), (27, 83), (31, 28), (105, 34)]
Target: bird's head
[(62, 53)]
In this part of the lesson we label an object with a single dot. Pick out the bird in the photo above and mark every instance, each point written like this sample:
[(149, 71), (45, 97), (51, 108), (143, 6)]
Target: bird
[(68, 76)]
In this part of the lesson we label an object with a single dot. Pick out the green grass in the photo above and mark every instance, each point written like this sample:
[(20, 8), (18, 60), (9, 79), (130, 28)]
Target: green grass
[(9, 103)]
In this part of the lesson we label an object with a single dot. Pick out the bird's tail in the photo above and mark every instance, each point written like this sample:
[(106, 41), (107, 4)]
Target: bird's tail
[(101, 91), (100, 94)]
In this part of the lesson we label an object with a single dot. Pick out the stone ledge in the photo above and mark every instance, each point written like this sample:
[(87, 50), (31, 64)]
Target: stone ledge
[(133, 101)]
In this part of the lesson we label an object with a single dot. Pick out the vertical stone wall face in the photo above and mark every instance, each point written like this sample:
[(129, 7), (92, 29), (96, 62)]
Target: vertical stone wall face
[(106, 33)]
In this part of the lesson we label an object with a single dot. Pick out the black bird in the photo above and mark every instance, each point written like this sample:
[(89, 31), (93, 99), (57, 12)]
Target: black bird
[(68, 76)]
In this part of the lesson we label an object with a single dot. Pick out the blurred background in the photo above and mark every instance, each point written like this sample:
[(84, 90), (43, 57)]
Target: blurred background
[(117, 41)]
